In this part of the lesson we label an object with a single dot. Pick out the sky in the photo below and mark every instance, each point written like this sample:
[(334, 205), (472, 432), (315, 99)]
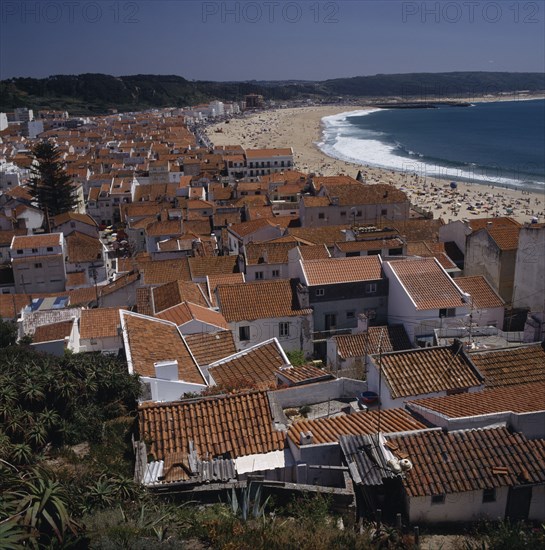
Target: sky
[(269, 39)]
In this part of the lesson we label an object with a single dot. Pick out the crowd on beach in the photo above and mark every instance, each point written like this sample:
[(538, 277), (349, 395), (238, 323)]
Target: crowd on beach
[(300, 128)]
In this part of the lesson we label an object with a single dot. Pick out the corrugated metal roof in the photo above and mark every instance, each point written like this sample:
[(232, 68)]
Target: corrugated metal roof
[(366, 459)]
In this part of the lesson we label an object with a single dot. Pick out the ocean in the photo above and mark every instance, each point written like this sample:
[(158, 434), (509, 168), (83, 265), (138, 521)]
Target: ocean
[(499, 143)]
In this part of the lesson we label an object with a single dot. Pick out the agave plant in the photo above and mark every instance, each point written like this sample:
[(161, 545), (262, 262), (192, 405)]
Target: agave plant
[(250, 501), (43, 507)]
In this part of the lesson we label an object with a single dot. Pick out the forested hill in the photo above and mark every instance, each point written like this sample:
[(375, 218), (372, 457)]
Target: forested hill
[(95, 93)]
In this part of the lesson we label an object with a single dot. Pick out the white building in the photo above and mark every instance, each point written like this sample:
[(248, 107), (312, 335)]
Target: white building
[(38, 263), (422, 297)]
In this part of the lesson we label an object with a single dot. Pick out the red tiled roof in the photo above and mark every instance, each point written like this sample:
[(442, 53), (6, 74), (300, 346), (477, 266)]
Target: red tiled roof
[(176, 292), (158, 272), (427, 370), (342, 270), (522, 398), (251, 368), (54, 331), (504, 367), (482, 294), (304, 374), (99, 323), (212, 265), (427, 284), (329, 430), (235, 425), (151, 340), (469, 460), (208, 347), (186, 311), (36, 241), (392, 338), (259, 300), (507, 238)]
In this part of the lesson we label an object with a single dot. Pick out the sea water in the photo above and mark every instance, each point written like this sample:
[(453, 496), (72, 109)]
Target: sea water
[(500, 143)]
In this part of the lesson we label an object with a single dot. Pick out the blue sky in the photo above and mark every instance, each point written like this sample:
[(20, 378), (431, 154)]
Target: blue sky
[(276, 39)]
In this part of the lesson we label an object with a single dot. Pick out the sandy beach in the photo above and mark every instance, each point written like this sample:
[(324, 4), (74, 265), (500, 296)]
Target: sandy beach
[(301, 128)]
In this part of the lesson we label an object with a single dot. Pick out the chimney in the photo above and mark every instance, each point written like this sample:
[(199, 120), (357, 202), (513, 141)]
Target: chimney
[(305, 438), (363, 324), (166, 370)]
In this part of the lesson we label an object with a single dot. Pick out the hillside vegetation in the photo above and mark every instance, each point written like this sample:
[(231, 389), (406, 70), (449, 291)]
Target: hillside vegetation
[(96, 93)]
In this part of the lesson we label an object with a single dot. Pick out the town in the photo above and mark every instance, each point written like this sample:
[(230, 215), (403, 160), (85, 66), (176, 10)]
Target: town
[(309, 333)]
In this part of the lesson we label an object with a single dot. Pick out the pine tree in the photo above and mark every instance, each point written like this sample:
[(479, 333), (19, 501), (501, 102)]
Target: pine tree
[(50, 185)]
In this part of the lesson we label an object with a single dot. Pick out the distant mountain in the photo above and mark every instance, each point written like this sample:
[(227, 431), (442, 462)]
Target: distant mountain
[(96, 93)]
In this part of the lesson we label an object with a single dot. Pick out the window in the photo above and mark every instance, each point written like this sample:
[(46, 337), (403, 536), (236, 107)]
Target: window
[(244, 333), (276, 273), (34, 250), (320, 292), (321, 215), (284, 330), (438, 499), (450, 312), (343, 214), (38, 265), (259, 275), (19, 251), (350, 314), (371, 288), (50, 249), (384, 212), (489, 495)]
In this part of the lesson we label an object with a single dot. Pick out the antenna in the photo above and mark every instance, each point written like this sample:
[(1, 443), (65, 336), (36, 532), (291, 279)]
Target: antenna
[(379, 381)]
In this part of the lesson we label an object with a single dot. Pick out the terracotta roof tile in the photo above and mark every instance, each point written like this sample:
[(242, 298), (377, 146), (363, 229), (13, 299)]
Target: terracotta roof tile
[(482, 294), (329, 430), (469, 460), (392, 338), (507, 238), (99, 323), (158, 272), (304, 374), (251, 368), (328, 234), (181, 314), (36, 241), (212, 265), (267, 253), (82, 248), (176, 292), (362, 193), (53, 331), (208, 347), (481, 223), (230, 426), (259, 300), (151, 340), (505, 367), (427, 284), (427, 370), (143, 301), (523, 398), (342, 270)]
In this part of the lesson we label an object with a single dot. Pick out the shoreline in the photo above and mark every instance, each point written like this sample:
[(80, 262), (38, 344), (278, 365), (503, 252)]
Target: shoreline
[(384, 156), (301, 128)]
